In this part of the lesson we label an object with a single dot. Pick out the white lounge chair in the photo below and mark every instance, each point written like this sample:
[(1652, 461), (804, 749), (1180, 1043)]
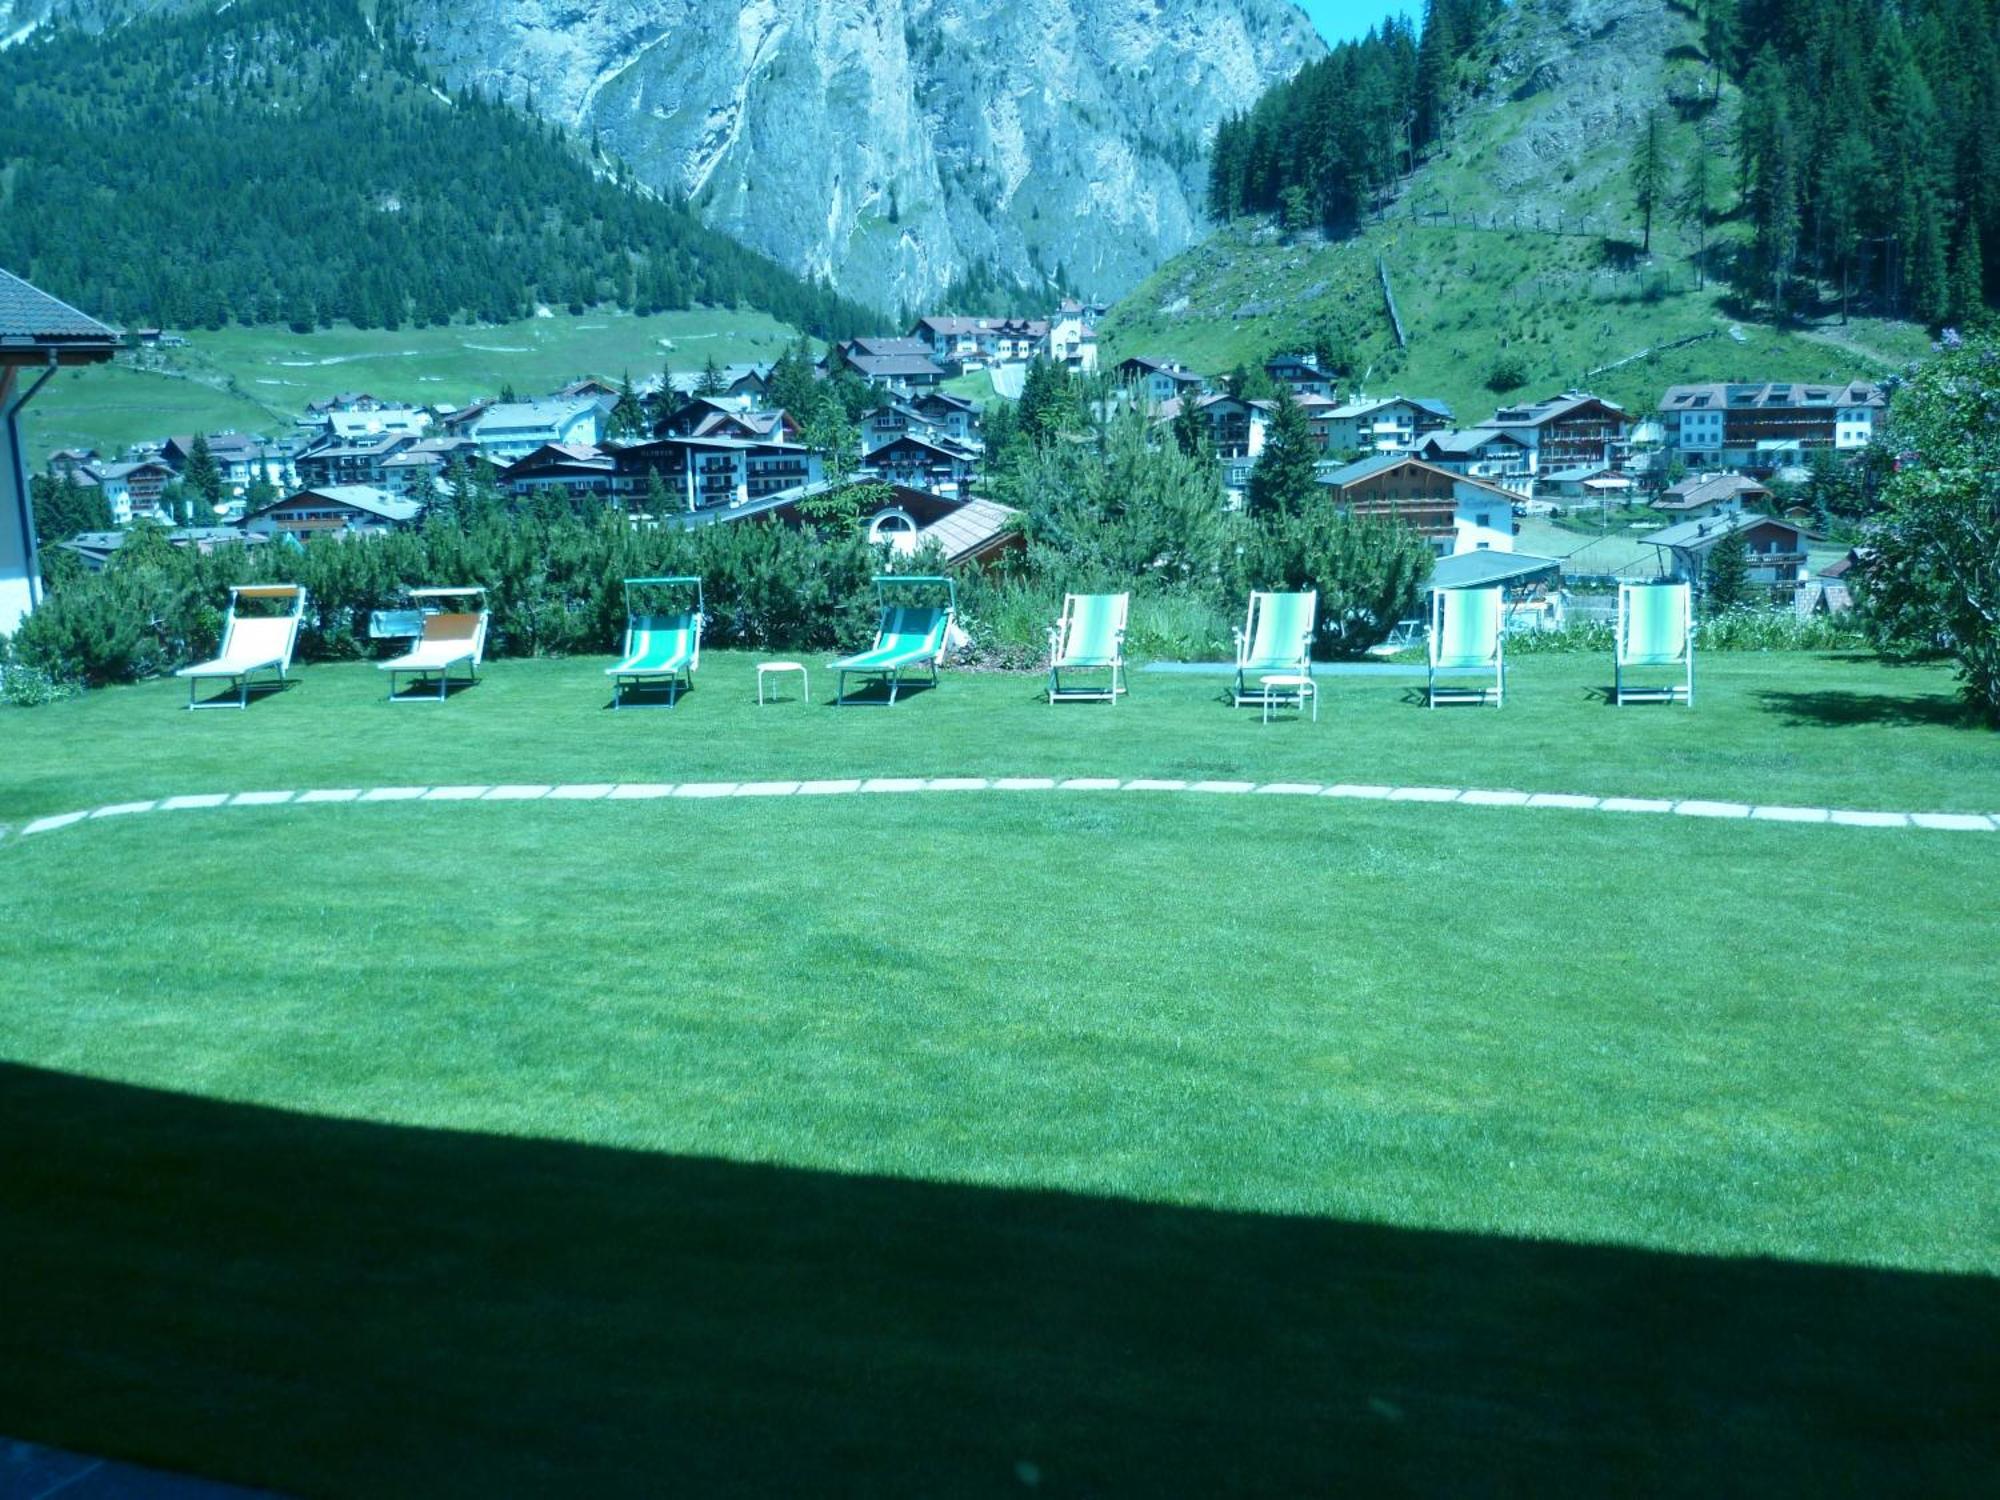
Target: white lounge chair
[(1655, 629), (1467, 636), (450, 640), (1089, 636), (250, 644), (1276, 640)]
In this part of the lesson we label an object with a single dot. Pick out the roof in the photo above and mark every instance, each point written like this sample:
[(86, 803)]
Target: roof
[(1381, 463), (362, 497), (31, 321), (911, 440), (1362, 407), (891, 365), (1541, 413), (1778, 395), (1707, 533), (547, 413), (888, 346), (1576, 475), (1465, 441), (970, 529), (1708, 489), (1469, 570)]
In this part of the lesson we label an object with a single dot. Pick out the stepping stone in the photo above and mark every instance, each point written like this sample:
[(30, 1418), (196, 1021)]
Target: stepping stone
[(394, 794), (456, 793), (1366, 793), (1425, 794), (640, 791), (1231, 787), (123, 809), (518, 793), (261, 799), (1712, 809), (706, 789), (331, 794), (1567, 801), (1092, 784), (1952, 822), (1025, 784), (1790, 814), (589, 792), (1872, 819), (1156, 786), (1635, 805), (828, 788), (893, 784), (1290, 789), (769, 788), (1494, 799), (956, 784), (199, 800), (50, 824)]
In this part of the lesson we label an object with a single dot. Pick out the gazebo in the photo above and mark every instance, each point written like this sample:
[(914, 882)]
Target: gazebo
[(38, 335)]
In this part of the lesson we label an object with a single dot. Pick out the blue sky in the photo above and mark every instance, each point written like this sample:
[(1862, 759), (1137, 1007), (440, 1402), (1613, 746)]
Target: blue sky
[(1342, 20)]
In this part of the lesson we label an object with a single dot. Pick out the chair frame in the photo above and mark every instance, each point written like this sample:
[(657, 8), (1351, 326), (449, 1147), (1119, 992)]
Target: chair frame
[(1673, 692), (679, 678), (1246, 638), (1059, 634), (1480, 696), (442, 672), (198, 674)]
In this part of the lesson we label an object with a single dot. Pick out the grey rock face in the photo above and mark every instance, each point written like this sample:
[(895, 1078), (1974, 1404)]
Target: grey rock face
[(894, 146)]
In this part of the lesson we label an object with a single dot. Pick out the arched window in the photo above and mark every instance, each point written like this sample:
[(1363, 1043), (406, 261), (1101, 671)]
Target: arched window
[(896, 528)]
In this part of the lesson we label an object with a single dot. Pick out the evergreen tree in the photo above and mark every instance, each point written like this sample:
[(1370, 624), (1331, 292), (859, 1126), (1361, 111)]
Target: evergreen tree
[(711, 382), (1725, 575), (792, 386), (659, 502), (1649, 173), (1284, 480), (1191, 429), (1694, 204), (202, 479), (628, 417)]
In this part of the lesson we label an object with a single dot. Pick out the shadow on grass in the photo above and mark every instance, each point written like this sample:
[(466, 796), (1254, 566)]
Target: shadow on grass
[(343, 1308), (1837, 710), (252, 694), (875, 693), (427, 692)]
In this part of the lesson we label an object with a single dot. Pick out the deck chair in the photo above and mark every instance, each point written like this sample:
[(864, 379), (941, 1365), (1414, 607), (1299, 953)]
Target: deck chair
[(1466, 636), (250, 644), (1090, 636), (659, 646), (1655, 629), (906, 635), (449, 640), (1276, 640)]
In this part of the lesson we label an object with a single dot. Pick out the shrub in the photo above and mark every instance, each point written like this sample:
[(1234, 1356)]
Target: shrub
[(1508, 374)]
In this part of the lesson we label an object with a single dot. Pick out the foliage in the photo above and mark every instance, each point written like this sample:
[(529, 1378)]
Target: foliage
[(1931, 581), (1725, 575), (62, 507), (293, 161), (1284, 481), (29, 687), (1369, 573)]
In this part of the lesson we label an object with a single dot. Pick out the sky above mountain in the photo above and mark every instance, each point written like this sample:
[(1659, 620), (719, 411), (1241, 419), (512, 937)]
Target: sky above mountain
[(1343, 20)]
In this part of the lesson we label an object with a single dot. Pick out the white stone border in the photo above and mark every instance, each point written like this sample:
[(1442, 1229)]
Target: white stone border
[(895, 785)]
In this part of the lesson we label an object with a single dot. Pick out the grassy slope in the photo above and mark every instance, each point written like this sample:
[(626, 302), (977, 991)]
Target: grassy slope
[(914, 1145), (1563, 304), (257, 379)]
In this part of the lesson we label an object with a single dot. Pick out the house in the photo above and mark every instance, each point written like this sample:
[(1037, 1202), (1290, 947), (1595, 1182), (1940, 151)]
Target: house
[(96, 548), (898, 372), (1480, 452), (949, 416), (239, 458), (576, 473), (967, 532), (375, 421), (510, 430), (1235, 426), (1302, 373), (1158, 381), (1701, 496), (334, 507), (744, 384), (707, 416), (1391, 425), (1764, 428), (710, 473), (1071, 341), (1593, 484), (919, 464), (131, 489), (1455, 512), (420, 469), (459, 421), (1565, 431), (1777, 548)]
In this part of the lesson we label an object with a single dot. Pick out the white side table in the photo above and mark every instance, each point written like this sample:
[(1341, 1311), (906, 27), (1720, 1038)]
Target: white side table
[(805, 678), (1304, 689)]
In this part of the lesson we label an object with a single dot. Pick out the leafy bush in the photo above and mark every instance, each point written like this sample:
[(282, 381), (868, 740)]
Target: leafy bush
[(1508, 374), (29, 687), (1738, 630)]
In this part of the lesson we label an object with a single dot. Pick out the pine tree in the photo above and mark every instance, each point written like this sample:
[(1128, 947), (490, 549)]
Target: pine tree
[(1284, 480), (628, 417), (711, 382), (1649, 173), (202, 477), (1725, 575), (1694, 204)]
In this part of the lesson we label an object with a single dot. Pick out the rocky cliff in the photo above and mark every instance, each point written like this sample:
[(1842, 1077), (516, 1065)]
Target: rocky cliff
[(897, 146)]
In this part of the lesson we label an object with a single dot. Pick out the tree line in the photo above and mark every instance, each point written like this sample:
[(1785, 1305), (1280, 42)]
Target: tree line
[(1323, 147), (283, 161)]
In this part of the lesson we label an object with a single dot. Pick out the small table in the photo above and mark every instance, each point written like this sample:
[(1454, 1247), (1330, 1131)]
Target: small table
[(805, 678), (1304, 689)]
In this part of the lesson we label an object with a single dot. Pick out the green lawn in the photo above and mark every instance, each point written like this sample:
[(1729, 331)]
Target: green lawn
[(257, 379), (1069, 1143)]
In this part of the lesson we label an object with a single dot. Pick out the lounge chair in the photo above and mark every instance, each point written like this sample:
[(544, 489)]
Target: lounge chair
[(1275, 641), (1655, 629), (1090, 636), (659, 646), (1466, 636), (250, 644), (906, 635), (449, 640)]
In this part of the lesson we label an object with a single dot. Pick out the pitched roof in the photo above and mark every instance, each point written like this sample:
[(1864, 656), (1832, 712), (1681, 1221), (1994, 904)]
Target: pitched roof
[(1777, 395), (891, 365), (1469, 570), (1465, 441), (970, 529), (1381, 463), (1541, 413), (362, 497), (1707, 533), (30, 320), (503, 415), (1698, 490), (1362, 407)]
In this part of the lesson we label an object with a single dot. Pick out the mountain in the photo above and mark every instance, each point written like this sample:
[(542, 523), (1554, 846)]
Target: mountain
[(1516, 249), (898, 147), (295, 161)]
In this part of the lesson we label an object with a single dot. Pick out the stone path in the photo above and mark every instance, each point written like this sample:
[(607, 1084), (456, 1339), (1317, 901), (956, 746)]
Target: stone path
[(1937, 822)]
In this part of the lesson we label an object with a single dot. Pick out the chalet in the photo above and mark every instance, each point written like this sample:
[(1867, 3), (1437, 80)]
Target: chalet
[(898, 372), (746, 385), (1302, 373), (1390, 425), (1777, 548), (1480, 452), (710, 473), (131, 489), (364, 461), (590, 388), (916, 463), (240, 459), (1235, 426), (706, 416), (950, 416), (38, 335), (1565, 431), (1454, 512), (376, 421), (576, 473), (1070, 340), (966, 532), (1591, 484), (418, 470), (510, 430), (1702, 496), (96, 548), (1158, 380), (459, 421), (1764, 428), (334, 508)]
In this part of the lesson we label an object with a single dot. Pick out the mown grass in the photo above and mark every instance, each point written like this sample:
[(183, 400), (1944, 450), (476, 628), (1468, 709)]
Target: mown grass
[(1078, 1143), (257, 379)]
